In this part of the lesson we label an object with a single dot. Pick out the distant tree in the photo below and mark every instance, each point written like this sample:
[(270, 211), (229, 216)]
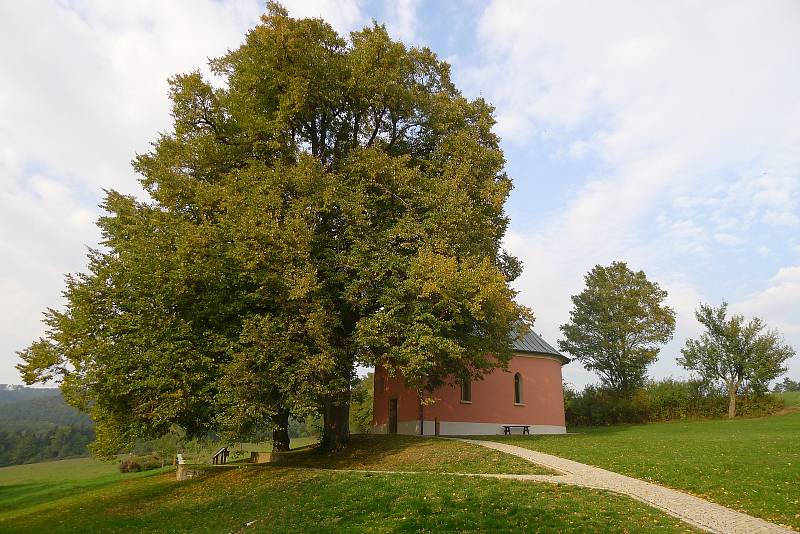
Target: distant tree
[(336, 201), (742, 355), (617, 324), (787, 385), (361, 405)]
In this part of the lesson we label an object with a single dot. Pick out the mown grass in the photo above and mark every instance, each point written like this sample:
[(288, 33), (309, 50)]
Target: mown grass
[(752, 465), (413, 453), (26, 486), (791, 399), (276, 499)]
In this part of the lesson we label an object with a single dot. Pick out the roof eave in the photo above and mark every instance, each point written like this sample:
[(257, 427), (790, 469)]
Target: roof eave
[(560, 357)]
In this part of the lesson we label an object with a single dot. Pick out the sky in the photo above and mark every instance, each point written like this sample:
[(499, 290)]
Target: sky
[(662, 134)]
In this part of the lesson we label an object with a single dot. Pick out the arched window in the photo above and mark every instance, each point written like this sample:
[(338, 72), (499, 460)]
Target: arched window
[(466, 389), (517, 388)]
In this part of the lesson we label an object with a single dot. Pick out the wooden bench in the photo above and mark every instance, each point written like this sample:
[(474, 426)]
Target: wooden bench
[(507, 429), (220, 457)]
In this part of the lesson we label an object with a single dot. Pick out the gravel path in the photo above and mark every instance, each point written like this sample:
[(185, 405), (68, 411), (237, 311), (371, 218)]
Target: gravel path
[(690, 509)]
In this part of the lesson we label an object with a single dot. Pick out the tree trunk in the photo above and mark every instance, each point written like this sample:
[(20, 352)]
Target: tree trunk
[(732, 400), (336, 423), (280, 431)]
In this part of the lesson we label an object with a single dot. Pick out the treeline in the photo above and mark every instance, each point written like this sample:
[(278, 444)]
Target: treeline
[(35, 445), (786, 386), (36, 424), (619, 323), (41, 412), (661, 400)]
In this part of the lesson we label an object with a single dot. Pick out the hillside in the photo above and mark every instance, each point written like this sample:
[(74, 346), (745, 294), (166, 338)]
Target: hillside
[(10, 393), (87, 496), (39, 412), (36, 424)]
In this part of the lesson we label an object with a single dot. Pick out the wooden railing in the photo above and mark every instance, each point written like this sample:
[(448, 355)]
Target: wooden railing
[(220, 457)]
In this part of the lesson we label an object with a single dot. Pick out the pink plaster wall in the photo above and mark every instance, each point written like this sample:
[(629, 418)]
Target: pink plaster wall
[(492, 397)]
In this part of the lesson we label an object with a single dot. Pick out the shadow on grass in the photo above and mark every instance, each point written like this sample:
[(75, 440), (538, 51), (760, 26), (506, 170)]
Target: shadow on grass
[(413, 453), (364, 450)]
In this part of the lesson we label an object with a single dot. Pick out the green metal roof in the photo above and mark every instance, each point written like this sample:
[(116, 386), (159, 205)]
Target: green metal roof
[(533, 343)]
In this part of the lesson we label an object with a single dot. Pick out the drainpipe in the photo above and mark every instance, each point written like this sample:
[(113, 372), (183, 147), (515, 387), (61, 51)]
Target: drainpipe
[(421, 416)]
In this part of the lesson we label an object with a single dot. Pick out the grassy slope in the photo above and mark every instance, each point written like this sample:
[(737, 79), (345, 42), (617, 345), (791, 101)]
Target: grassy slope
[(791, 399), (28, 486), (751, 465), (411, 453), (288, 500)]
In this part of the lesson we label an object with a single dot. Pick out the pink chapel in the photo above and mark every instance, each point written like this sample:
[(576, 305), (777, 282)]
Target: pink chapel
[(528, 397)]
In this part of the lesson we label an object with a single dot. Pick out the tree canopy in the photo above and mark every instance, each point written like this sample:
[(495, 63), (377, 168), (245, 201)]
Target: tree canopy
[(333, 202), (742, 355), (617, 324)]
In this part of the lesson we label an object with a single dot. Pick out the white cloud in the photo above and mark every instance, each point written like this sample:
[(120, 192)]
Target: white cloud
[(691, 114), (402, 20), (84, 88), (778, 303), (778, 306), (763, 250), (728, 239)]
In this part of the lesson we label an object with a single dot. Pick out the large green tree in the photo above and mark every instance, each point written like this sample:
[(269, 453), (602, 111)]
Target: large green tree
[(334, 202), (617, 325), (742, 355)]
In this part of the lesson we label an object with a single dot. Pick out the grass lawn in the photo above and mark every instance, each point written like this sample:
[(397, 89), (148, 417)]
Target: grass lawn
[(27, 486), (412, 453), (277, 499), (752, 465), (791, 399)]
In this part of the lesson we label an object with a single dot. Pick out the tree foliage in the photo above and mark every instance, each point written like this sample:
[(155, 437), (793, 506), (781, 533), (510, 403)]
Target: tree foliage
[(742, 355), (336, 201), (362, 405), (617, 324), (787, 385)]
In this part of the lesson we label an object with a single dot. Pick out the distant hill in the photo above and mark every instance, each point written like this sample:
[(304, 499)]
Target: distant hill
[(36, 424), (37, 408), (13, 393)]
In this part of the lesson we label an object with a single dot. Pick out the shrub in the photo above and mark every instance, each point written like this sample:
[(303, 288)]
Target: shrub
[(662, 400), (134, 464), (129, 466)]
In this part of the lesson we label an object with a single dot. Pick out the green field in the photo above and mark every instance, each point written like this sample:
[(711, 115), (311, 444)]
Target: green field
[(279, 499), (791, 399), (748, 464), (752, 465), (25, 487)]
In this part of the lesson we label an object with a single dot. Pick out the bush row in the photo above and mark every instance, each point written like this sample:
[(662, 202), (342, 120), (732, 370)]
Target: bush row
[(662, 400)]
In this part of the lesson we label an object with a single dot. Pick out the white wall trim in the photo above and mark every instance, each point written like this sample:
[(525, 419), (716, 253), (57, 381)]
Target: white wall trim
[(460, 428)]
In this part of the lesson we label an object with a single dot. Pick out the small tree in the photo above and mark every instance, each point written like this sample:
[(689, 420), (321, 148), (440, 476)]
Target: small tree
[(744, 356), (617, 324), (787, 385)]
